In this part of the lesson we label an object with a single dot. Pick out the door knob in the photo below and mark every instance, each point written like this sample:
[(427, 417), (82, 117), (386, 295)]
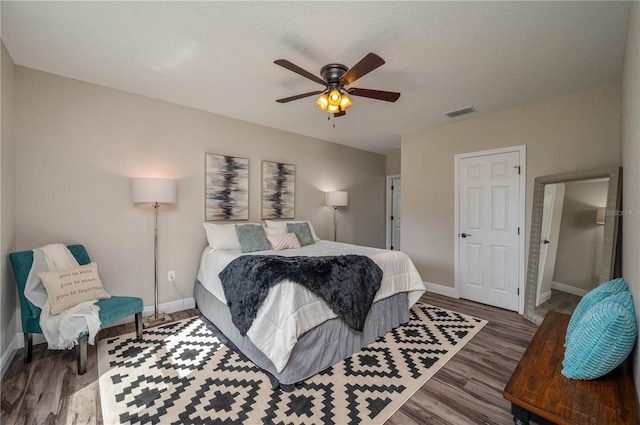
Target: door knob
[(464, 235), (545, 242)]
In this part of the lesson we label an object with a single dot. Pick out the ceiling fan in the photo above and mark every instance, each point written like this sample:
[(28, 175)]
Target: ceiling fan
[(335, 76)]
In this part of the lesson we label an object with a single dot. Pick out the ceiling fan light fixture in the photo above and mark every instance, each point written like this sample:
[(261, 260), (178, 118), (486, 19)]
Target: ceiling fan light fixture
[(333, 109), (334, 97), (345, 102), (323, 102)]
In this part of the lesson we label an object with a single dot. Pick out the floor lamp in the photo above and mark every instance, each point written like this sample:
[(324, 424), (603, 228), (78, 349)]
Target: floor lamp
[(337, 199), (155, 191)]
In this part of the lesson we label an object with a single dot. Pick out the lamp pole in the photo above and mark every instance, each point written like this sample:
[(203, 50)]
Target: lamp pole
[(335, 224), (155, 258), (155, 191)]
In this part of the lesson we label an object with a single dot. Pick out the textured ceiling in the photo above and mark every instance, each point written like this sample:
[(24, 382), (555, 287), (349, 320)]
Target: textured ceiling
[(218, 56)]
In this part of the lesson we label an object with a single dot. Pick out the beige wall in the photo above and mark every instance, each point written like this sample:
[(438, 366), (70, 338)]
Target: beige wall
[(566, 133), (631, 165), (393, 165), (78, 144), (579, 254), (8, 317)]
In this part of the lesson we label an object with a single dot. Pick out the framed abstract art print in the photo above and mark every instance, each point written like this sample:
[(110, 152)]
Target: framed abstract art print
[(278, 190), (226, 188)]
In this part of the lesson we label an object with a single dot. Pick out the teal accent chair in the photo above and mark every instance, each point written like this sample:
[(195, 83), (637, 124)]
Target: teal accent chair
[(111, 310)]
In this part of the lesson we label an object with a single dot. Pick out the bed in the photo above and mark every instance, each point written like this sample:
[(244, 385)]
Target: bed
[(295, 334)]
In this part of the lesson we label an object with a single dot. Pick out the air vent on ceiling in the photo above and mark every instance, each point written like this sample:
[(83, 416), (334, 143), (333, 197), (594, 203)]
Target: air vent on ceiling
[(461, 111)]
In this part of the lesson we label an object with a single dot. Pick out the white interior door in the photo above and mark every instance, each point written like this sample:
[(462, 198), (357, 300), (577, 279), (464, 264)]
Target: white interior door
[(489, 234), (396, 191)]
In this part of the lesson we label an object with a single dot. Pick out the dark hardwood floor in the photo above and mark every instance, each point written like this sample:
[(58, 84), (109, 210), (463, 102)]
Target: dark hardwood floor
[(467, 390)]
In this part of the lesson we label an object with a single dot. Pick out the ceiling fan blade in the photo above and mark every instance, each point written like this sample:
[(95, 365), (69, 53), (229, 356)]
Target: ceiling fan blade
[(388, 96), (295, 68), (298, 96), (365, 66), (339, 114)]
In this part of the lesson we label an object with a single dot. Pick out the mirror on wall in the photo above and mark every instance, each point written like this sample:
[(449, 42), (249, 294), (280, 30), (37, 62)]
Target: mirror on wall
[(574, 228)]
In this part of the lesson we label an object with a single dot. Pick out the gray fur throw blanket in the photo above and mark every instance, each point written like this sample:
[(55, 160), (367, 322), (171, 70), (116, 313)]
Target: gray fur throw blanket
[(347, 283)]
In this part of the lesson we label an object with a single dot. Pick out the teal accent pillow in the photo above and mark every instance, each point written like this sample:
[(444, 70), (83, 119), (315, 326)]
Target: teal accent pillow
[(603, 338), (592, 298), (302, 231), (252, 238)]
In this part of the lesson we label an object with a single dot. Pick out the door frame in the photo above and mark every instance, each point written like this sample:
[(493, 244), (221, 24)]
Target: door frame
[(522, 149), (387, 220)]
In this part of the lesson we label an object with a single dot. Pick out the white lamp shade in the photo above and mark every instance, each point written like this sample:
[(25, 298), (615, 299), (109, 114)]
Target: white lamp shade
[(146, 189), (338, 199)]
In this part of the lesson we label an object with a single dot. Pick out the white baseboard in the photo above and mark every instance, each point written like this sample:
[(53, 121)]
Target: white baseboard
[(18, 341), (9, 353), (569, 289), (544, 297), (171, 307), (447, 291)]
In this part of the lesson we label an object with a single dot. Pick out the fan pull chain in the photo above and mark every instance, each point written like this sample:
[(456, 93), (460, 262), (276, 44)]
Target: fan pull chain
[(334, 119)]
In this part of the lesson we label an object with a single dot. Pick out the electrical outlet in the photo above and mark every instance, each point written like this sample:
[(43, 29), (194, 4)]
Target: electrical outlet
[(171, 276)]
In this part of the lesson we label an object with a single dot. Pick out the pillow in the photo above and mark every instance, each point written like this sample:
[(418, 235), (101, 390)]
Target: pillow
[(283, 225), (603, 338), (286, 241), (593, 297), (272, 231), (252, 238), (302, 231), (69, 287), (222, 236)]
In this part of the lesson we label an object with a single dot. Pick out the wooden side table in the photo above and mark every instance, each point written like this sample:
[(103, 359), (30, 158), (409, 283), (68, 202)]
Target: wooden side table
[(538, 392)]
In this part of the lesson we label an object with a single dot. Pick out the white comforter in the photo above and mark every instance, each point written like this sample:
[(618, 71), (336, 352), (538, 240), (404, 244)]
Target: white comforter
[(290, 309)]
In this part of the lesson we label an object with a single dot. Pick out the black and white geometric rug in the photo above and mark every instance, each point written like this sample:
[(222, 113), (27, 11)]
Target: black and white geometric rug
[(181, 373)]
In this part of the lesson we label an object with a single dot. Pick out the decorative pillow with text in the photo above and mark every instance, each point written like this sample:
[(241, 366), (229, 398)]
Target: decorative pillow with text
[(67, 288)]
